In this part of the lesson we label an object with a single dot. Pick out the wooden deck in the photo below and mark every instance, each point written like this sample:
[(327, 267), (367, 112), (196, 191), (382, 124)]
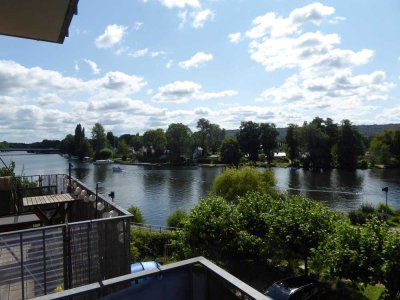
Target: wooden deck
[(49, 199)]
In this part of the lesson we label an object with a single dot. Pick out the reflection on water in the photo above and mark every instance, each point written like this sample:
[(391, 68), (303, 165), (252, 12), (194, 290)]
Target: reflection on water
[(159, 191)]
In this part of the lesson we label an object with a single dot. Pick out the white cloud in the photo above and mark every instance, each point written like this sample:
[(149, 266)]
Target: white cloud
[(197, 60), (185, 91), (234, 37), (323, 82), (112, 35), (169, 64), (93, 66), (200, 17), (76, 67), (180, 3), (183, 15), (137, 26), (138, 53), (49, 99)]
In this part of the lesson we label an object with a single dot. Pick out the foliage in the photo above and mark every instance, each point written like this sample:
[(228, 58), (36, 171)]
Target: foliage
[(238, 182), (385, 148), (111, 140), (292, 142), (230, 152), (8, 171), (155, 141), (137, 214), (123, 149), (177, 218), (104, 153), (248, 138), (348, 147), (179, 139), (67, 145), (268, 136), (152, 245), (211, 229), (355, 252), (98, 139)]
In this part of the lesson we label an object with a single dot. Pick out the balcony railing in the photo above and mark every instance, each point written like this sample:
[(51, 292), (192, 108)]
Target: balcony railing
[(196, 279)]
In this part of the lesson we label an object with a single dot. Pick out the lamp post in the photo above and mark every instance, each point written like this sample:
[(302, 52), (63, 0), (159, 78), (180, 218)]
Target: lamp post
[(386, 189)]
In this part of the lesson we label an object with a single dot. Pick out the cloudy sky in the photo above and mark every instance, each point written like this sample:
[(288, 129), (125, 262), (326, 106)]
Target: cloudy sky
[(135, 65)]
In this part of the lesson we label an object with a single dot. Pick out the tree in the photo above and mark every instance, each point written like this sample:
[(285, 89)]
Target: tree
[(67, 145), (177, 219), (155, 140), (233, 183), (136, 141), (98, 138), (123, 149), (349, 146), (292, 143), (315, 147), (137, 214), (209, 137), (385, 148), (112, 140), (268, 136), (230, 152), (179, 140), (79, 139), (211, 229), (248, 138)]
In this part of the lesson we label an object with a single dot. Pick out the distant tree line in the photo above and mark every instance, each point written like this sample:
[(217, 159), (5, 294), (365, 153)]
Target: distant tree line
[(319, 144)]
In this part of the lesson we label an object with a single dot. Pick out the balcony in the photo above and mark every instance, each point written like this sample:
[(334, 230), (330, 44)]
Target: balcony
[(46, 247), (195, 279)]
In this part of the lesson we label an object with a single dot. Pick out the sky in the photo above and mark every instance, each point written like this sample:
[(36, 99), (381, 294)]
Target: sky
[(135, 65)]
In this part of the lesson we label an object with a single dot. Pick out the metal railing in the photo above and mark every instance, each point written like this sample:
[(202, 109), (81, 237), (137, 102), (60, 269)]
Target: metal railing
[(195, 278)]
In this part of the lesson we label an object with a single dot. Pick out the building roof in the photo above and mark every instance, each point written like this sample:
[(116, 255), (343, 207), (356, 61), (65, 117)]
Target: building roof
[(45, 20)]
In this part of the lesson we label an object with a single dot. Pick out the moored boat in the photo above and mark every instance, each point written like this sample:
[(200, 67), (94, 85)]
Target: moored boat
[(103, 162)]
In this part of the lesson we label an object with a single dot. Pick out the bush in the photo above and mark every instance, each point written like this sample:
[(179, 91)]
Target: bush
[(137, 214), (238, 182), (151, 245), (105, 153), (177, 218)]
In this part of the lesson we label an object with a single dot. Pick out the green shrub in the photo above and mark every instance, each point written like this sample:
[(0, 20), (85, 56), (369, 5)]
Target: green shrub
[(137, 214), (152, 245), (233, 182), (105, 153), (177, 218)]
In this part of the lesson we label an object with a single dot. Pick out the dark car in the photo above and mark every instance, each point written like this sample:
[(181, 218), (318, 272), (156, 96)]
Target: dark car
[(301, 287)]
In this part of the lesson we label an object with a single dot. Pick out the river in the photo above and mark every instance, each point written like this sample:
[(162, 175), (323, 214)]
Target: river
[(159, 191)]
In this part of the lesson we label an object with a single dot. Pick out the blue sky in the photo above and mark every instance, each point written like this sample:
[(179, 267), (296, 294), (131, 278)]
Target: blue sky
[(135, 65)]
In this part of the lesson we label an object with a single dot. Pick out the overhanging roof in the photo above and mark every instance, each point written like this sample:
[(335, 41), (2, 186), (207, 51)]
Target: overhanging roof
[(45, 20)]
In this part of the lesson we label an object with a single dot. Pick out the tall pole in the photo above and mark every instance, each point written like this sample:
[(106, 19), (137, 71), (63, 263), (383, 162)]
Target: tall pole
[(69, 189), (97, 196)]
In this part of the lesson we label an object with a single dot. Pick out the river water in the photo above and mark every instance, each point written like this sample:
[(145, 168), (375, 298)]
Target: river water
[(159, 191)]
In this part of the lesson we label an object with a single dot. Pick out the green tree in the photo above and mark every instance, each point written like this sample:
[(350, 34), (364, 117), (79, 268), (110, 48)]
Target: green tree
[(179, 140), (314, 147), (209, 136), (354, 252), (248, 138), (112, 140), (177, 218), (98, 139), (230, 152), (233, 182), (123, 149), (136, 141), (349, 146), (211, 229), (67, 145), (268, 140), (385, 148), (155, 140), (292, 143), (137, 214)]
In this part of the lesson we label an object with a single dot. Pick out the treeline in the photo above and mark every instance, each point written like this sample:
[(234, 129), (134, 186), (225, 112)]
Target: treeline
[(178, 144), (45, 144)]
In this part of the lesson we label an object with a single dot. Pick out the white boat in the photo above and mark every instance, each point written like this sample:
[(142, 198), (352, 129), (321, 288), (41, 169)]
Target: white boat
[(103, 162), (117, 169)]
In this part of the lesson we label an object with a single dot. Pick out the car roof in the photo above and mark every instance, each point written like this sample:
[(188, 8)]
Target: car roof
[(294, 283)]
